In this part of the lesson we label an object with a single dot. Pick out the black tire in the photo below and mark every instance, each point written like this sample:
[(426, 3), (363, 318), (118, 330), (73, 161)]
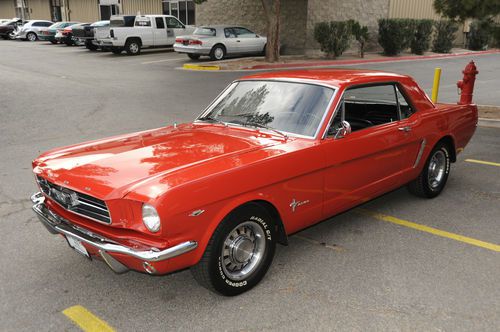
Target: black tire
[(218, 52), (90, 46), (193, 56), (264, 50), (31, 36), (116, 50), (213, 270), (133, 47), (5, 37), (430, 181), (53, 42)]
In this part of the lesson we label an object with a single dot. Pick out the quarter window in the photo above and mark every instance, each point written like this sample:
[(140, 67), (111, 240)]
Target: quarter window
[(229, 33), (404, 107), (143, 22)]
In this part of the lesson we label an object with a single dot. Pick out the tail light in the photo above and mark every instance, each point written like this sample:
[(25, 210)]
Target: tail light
[(195, 42), (179, 40)]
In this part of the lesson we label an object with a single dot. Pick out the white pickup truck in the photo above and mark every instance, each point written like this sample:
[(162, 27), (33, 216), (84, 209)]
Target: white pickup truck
[(148, 31)]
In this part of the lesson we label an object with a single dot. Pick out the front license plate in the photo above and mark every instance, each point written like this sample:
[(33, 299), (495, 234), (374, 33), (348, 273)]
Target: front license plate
[(77, 245)]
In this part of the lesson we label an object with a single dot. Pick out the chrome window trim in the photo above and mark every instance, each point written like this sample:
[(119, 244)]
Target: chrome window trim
[(298, 81)]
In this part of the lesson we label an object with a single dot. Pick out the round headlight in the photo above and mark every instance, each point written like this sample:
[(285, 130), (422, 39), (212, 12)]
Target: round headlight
[(150, 218)]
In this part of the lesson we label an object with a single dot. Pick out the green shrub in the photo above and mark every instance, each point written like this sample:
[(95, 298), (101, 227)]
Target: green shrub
[(445, 35), (479, 35), (496, 35), (395, 34), (360, 33), (333, 37), (421, 36)]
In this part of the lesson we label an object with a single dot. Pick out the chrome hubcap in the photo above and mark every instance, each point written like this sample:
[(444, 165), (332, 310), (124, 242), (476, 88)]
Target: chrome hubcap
[(134, 48), (243, 250), (31, 37), (219, 53), (436, 170)]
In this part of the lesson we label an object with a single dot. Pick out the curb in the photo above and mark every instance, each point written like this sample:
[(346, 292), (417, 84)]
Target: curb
[(492, 123), (200, 67), (363, 61)]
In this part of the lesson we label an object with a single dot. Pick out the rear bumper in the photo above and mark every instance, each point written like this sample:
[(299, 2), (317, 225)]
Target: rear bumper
[(179, 48), (105, 247)]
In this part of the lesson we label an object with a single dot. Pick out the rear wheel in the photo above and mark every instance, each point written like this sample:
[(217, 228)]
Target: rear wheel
[(133, 47), (218, 52), (193, 56), (239, 253), (31, 36), (433, 177)]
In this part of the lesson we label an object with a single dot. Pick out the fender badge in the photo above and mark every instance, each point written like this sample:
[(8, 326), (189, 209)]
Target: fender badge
[(196, 213), (295, 204)]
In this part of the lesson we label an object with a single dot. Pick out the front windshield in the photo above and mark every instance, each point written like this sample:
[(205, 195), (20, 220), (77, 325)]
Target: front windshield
[(296, 108)]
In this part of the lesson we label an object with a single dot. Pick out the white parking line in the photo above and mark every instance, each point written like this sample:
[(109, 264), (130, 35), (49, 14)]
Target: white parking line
[(163, 60)]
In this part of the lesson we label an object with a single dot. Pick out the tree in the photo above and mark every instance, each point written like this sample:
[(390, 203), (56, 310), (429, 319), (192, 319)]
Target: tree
[(463, 9), (272, 9)]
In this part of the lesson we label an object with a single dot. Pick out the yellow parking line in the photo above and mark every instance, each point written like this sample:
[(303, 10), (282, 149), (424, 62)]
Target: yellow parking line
[(427, 229), (482, 162), (86, 320)]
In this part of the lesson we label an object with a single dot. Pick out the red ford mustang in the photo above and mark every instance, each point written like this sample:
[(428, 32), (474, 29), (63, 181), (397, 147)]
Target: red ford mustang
[(273, 154)]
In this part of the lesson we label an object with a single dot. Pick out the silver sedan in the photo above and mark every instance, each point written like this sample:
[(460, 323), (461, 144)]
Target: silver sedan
[(31, 29), (219, 41)]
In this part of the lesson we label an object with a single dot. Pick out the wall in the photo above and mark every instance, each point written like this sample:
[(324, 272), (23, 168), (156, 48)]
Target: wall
[(367, 12), (7, 9), (85, 11), (250, 14), (39, 9), (131, 7)]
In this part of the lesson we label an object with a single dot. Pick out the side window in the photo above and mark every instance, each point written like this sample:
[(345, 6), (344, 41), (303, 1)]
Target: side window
[(404, 107), (160, 24), (173, 23), (229, 33), (46, 24), (243, 33), (366, 107)]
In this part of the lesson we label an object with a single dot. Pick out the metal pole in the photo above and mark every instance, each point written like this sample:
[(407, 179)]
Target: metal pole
[(435, 86)]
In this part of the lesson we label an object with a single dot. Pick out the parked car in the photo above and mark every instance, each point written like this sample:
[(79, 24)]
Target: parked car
[(65, 36), (85, 33), (273, 154), (8, 29), (4, 20), (220, 41), (50, 33), (148, 31), (31, 29)]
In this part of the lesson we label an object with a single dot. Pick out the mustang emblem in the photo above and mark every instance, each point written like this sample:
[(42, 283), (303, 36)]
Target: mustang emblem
[(295, 204), (70, 199)]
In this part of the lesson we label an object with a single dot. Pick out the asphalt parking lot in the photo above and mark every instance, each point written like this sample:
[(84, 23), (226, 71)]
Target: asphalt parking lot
[(385, 266)]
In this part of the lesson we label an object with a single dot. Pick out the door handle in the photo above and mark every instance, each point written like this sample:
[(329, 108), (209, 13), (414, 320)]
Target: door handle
[(405, 129)]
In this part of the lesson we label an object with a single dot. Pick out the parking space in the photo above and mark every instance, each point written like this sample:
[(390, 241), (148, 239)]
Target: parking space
[(361, 270)]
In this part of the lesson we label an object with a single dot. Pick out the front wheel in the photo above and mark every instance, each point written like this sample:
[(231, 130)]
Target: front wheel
[(239, 253), (432, 179), (31, 36)]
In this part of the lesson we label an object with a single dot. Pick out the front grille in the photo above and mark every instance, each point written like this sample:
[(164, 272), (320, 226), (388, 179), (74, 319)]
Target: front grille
[(76, 202)]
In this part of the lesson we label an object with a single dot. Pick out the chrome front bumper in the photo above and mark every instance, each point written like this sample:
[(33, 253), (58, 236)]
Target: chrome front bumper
[(58, 225)]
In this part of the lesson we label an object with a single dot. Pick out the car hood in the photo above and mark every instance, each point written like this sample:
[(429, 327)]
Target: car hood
[(110, 168)]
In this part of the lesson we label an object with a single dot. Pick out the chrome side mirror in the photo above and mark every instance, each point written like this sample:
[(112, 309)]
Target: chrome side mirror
[(344, 130)]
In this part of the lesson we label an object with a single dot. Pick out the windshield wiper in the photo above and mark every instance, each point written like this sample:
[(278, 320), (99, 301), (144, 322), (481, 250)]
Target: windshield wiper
[(260, 125), (211, 119)]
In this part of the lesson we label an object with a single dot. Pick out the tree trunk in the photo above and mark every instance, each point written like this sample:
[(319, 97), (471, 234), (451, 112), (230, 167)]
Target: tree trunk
[(272, 12)]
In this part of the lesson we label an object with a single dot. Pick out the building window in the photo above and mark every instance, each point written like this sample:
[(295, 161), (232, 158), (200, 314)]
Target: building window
[(183, 10), (55, 10)]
